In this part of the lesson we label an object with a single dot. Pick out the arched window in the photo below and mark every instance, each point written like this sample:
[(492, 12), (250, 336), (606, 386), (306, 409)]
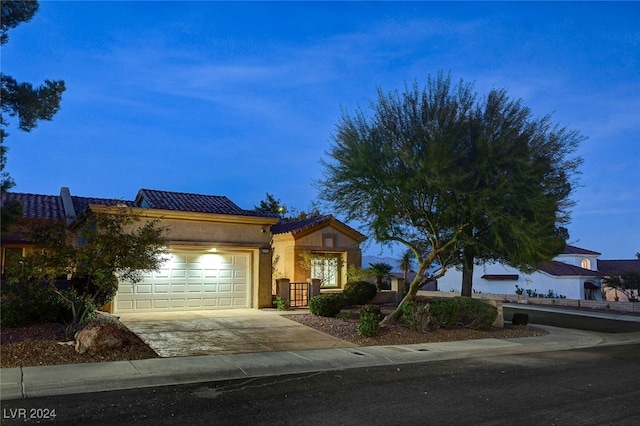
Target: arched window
[(585, 264)]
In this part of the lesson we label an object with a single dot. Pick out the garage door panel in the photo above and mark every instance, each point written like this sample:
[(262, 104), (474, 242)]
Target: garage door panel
[(190, 281)]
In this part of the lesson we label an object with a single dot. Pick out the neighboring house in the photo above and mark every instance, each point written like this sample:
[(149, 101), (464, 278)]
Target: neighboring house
[(575, 274), (220, 255), (319, 247), (616, 268)]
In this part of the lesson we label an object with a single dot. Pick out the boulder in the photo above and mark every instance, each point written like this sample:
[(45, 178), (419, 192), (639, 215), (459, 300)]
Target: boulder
[(99, 338)]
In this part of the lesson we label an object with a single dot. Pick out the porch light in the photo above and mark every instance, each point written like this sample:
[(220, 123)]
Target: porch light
[(212, 250)]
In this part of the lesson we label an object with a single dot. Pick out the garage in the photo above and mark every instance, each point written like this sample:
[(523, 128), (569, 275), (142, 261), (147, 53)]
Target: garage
[(190, 281)]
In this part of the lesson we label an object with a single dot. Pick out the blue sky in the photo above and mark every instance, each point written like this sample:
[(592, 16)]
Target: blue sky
[(241, 98)]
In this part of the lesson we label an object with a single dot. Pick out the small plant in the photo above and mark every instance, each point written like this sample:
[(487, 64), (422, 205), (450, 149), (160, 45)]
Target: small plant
[(282, 304), (359, 292), (326, 305), (344, 315), (607, 307), (369, 324), (519, 290)]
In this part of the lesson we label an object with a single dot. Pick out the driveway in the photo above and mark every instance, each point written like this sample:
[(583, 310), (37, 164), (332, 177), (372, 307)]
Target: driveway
[(231, 331)]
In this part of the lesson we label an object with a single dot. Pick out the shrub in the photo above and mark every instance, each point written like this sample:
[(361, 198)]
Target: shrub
[(31, 303), (369, 324), (416, 315), (326, 305), (447, 313), (343, 315), (13, 313), (444, 312), (281, 304), (476, 314), (359, 292)]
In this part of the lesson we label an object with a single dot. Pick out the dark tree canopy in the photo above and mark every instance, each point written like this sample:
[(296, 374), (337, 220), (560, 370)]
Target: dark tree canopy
[(23, 101), (452, 177), (14, 13)]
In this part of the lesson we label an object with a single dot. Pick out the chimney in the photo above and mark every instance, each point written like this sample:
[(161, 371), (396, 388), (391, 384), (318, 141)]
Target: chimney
[(67, 203)]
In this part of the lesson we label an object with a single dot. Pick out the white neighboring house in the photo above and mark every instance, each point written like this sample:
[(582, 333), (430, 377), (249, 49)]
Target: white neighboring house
[(573, 274)]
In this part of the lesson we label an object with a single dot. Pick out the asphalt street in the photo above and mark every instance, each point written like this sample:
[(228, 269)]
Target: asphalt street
[(592, 386)]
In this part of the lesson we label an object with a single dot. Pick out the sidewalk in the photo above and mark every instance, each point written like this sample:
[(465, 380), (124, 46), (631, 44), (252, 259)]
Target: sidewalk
[(30, 382)]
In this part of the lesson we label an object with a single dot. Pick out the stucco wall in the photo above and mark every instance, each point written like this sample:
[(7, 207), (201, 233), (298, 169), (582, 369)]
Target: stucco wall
[(287, 250), (570, 287)]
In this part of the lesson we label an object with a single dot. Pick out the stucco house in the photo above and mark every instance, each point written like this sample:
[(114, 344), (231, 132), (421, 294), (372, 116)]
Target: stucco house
[(220, 254), (575, 274), (319, 247)]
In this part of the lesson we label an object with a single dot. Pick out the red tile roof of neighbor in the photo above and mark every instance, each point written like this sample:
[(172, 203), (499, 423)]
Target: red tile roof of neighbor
[(560, 269), (569, 249), (181, 201), (618, 267)]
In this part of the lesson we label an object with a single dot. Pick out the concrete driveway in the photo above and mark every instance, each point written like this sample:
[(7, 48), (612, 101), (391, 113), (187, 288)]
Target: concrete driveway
[(232, 331)]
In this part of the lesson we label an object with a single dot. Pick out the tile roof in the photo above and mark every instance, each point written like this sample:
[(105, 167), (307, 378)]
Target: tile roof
[(180, 201), (81, 203), (618, 267), (300, 225), (37, 206), (577, 250), (51, 207), (561, 269)]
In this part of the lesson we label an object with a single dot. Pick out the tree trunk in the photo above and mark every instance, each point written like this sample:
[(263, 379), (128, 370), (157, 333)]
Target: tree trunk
[(411, 294), (467, 272)]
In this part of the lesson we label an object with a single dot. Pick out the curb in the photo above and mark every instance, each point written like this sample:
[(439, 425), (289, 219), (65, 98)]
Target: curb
[(33, 382)]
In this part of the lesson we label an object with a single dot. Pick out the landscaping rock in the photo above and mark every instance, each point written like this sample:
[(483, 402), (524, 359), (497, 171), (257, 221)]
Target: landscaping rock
[(100, 338)]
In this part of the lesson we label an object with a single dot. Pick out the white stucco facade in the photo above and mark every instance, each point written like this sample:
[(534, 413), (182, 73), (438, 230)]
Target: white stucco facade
[(573, 275)]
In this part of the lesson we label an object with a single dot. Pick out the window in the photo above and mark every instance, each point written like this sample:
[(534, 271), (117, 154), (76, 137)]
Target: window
[(326, 268), (328, 241), (585, 264)]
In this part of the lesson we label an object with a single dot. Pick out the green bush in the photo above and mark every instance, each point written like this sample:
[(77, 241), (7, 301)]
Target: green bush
[(13, 313), (31, 303), (369, 324), (446, 313), (326, 305), (416, 315), (476, 314), (359, 292)]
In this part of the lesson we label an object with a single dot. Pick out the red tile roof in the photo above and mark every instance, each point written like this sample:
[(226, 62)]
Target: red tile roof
[(618, 267), (577, 250), (300, 225), (50, 207), (181, 201), (37, 206), (561, 269)]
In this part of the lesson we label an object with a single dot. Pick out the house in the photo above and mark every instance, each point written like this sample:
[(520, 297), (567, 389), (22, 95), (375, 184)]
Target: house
[(617, 268), (220, 255), (319, 247), (575, 274)]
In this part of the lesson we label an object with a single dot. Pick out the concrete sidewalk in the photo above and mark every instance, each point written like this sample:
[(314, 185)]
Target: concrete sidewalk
[(30, 382)]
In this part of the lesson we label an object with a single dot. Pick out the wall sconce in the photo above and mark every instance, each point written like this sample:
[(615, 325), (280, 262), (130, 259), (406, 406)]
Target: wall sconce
[(266, 250)]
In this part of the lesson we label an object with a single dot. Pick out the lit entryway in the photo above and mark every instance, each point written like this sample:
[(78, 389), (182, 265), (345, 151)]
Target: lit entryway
[(190, 281)]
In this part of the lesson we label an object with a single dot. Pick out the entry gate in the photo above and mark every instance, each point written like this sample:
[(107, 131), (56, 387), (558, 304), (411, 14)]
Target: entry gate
[(299, 294)]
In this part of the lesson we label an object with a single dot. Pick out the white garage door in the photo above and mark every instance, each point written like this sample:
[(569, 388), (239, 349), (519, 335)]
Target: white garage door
[(190, 281)]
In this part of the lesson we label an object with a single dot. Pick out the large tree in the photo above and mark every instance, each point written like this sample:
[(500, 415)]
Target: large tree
[(438, 170), (519, 178), (22, 100)]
